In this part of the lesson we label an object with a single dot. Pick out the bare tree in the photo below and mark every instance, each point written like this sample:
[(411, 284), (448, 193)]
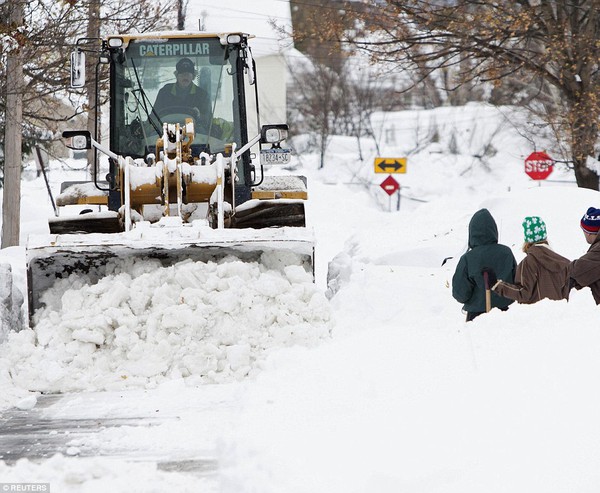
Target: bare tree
[(552, 45), (365, 92), (44, 72), (318, 29), (324, 102), (49, 33), (316, 104)]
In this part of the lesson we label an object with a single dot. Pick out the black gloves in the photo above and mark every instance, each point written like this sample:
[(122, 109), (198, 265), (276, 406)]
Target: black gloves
[(491, 275), (573, 284)]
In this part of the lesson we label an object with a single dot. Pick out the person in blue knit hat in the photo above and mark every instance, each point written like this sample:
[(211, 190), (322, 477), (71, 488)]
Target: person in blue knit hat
[(543, 273), (585, 271)]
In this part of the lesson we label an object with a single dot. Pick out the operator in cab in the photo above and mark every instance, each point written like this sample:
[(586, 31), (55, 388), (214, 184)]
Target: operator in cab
[(183, 96)]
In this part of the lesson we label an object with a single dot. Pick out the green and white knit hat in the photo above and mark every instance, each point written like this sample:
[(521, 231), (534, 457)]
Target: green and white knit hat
[(535, 229)]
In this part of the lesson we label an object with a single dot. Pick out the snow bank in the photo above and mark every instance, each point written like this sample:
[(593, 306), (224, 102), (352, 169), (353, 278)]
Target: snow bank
[(143, 324), (415, 399), (87, 475)]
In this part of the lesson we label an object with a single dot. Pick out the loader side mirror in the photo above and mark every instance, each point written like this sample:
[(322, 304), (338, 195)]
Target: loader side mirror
[(273, 134), (78, 140), (77, 69)]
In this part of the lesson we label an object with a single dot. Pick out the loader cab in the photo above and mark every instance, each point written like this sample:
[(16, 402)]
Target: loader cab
[(142, 65), (189, 156)]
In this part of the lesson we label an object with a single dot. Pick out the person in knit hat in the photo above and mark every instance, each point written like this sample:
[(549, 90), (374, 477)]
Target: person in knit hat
[(543, 273), (485, 258), (585, 271)]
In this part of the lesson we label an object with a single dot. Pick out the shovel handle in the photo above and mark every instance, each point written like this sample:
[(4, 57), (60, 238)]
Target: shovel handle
[(488, 293)]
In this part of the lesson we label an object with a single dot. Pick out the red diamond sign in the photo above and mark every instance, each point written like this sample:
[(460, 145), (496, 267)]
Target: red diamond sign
[(390, 185)]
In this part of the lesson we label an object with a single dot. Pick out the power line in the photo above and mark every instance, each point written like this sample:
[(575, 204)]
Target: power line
[(268, 16), (325, 7), (239, 11)]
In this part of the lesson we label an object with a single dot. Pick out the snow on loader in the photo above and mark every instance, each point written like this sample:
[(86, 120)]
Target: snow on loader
[(181, 179)]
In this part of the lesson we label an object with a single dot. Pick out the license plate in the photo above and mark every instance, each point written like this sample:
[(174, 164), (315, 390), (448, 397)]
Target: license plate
[(275, 156)]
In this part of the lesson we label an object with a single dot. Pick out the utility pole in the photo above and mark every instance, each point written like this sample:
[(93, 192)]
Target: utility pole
[(93, 32), (181, 14), (11, 200)]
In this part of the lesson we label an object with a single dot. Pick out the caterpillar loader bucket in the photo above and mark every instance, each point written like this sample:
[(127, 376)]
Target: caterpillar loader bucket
[(52, 257)]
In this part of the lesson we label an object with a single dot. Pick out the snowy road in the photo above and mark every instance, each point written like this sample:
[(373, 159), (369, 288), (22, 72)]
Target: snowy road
[(142, 426), (36, 434)]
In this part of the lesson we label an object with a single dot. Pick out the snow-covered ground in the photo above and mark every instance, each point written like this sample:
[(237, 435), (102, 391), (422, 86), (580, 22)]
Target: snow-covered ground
[(385, 388)]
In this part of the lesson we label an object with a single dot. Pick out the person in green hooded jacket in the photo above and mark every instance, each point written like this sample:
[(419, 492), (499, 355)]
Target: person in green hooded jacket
[(485, 255)]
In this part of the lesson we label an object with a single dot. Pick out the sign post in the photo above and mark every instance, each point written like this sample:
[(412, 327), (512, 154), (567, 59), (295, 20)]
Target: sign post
[(391, 186), (538, 165)]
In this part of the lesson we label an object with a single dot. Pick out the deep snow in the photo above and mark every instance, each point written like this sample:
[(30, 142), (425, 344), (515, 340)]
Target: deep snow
[(404, 395)]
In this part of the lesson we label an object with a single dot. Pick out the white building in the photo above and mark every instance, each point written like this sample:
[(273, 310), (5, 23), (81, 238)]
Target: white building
[(256, 18)]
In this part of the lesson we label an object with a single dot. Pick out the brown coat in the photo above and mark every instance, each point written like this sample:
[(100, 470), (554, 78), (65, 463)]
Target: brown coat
[(585, 271), (543, 273)]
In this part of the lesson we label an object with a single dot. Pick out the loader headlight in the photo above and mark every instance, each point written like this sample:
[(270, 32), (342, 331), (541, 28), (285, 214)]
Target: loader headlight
[(272, 134), (230, 39), (78, 139), (115, 42)]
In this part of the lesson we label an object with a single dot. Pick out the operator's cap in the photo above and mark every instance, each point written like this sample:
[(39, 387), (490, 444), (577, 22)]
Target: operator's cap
[(185, 65)]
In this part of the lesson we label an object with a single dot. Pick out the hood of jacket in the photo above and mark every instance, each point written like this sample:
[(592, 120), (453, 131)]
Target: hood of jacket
[(482, 229)]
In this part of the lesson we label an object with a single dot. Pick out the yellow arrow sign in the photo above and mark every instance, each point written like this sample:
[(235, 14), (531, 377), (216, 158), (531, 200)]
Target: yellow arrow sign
[(390, 165)]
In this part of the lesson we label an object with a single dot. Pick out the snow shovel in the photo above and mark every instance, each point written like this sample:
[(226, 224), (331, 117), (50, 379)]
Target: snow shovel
[(488, 292)]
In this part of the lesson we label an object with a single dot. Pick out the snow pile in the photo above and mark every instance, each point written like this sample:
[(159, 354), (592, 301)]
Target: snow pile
[(143, 324)]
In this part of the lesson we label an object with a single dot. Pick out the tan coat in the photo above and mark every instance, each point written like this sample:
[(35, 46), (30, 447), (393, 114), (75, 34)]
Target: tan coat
[(543, 273)]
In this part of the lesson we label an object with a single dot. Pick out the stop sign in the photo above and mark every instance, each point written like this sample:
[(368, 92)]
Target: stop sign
[(538, 165)]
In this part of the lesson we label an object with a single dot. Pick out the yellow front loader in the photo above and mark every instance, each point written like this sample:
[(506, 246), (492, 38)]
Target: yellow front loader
[(179, 184)]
